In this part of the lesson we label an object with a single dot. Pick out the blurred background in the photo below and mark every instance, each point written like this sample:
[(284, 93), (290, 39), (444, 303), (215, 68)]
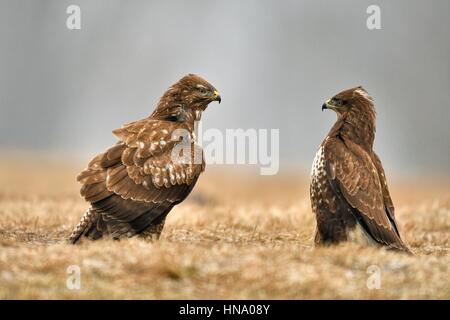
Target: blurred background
[(239, 235), (275, 62)]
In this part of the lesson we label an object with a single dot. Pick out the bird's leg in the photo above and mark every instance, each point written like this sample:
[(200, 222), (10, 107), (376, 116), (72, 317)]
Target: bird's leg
[(334, 230), (153, 232)]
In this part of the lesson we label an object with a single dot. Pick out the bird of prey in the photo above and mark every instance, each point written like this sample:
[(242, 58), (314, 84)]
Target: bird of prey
[(349, 192), (133, 185)]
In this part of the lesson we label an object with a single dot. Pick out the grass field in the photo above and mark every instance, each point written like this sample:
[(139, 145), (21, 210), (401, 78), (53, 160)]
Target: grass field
[(238, 236)]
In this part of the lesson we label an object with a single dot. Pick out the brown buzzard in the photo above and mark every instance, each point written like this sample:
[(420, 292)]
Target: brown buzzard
[(348, 187), (133, 185)]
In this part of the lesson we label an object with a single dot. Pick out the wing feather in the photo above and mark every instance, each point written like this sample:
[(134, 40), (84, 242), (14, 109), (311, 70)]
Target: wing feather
[(136, 181), (386, 195), (352, 172)]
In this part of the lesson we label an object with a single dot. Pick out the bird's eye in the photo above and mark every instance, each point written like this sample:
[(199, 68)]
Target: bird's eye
[(203, 91)]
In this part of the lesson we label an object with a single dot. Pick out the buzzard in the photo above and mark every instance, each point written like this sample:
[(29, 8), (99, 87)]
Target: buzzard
[(133, 185), (348, 189)]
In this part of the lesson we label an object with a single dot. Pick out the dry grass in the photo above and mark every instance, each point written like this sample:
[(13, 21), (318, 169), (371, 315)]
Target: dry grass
[(238, 236)]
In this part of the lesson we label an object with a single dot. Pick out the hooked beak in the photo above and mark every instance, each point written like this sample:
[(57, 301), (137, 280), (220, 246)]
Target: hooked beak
[(328, 105), (216, 96)]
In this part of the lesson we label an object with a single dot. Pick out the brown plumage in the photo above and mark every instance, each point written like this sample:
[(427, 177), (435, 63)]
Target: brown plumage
[(348, 187), (133, 185)]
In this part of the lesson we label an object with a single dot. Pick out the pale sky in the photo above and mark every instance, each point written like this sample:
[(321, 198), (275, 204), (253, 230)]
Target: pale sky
[(274, 62)]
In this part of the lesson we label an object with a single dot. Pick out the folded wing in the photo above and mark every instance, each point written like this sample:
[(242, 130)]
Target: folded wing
[(355, 177), (140, 179)]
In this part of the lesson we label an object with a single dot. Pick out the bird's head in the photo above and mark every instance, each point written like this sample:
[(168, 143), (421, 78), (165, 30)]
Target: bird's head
[(356, 99), (186, 99), (196, 90), (356, 115)]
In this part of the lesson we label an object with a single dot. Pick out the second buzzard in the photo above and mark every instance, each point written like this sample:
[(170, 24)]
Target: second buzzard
[(349, 192)]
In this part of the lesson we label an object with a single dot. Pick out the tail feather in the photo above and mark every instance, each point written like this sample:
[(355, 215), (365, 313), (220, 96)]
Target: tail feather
[(88, 219)]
